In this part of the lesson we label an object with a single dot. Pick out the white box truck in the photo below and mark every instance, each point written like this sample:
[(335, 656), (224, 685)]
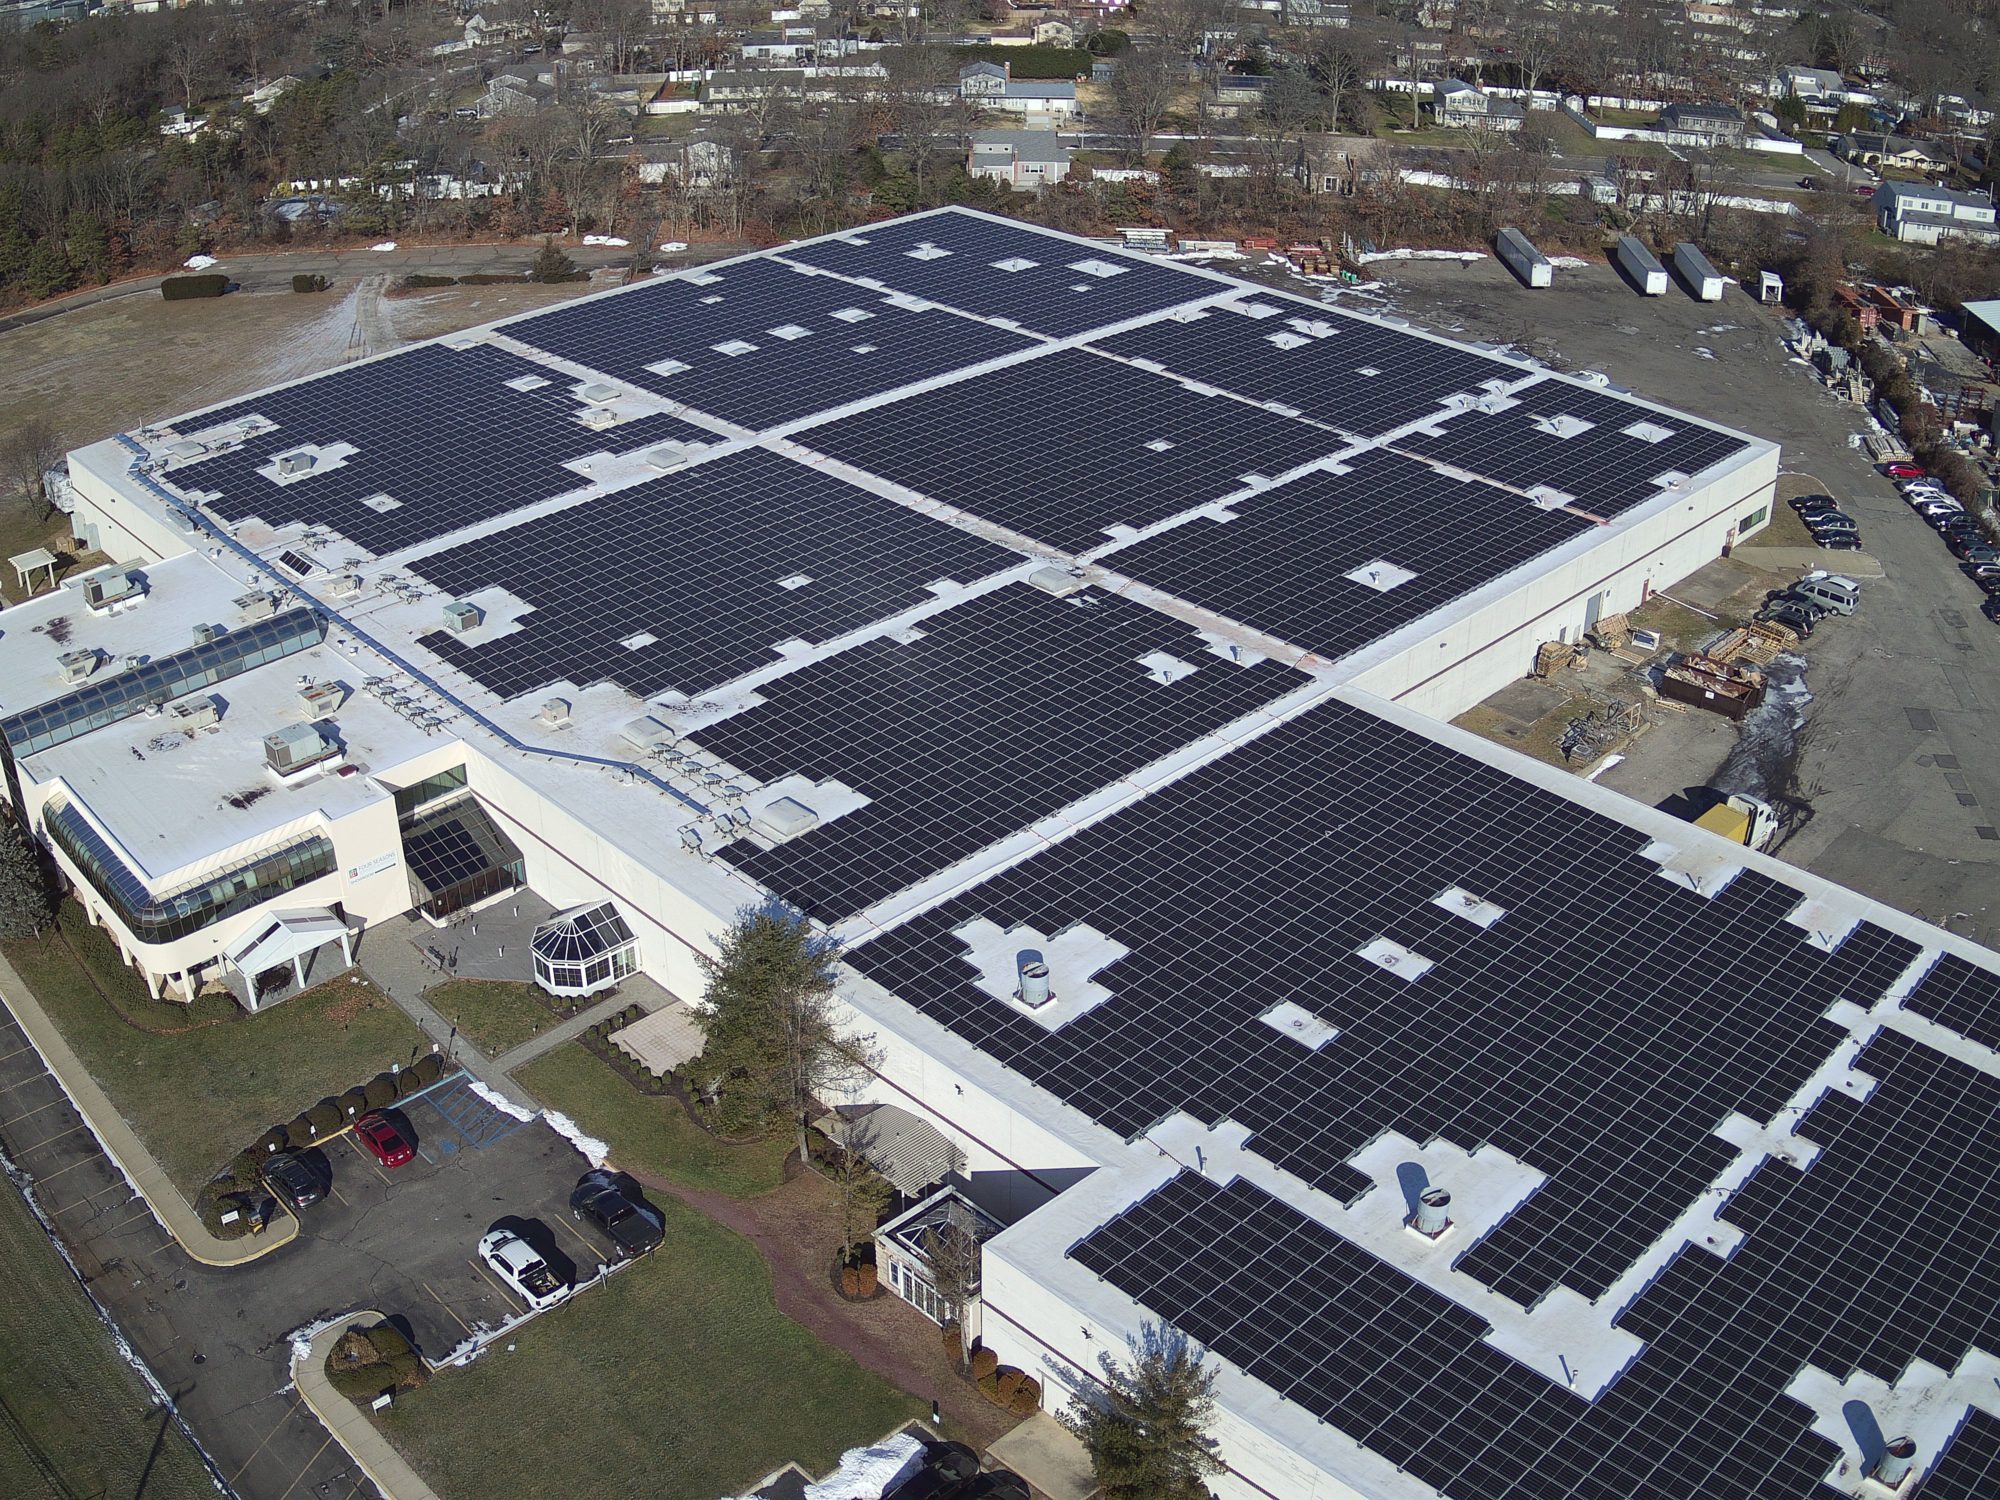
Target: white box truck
[(1646, 272), (1697, 275), (1520, 256)]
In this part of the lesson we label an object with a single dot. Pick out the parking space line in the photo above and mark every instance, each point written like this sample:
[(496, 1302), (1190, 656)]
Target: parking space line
[(371, 1162), (307, 1469), (276, 1428), (46, 1140), (573, 1234), (506, 1297), (81, 1161), (9, 1124), (144, 1213), (447, 1307), (121, 1186), (337, 1193), (9, 1056)]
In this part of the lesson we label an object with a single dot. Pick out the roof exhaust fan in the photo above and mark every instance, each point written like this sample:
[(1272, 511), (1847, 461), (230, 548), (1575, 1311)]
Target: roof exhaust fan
[(1433, 1215), (1896, 1462)]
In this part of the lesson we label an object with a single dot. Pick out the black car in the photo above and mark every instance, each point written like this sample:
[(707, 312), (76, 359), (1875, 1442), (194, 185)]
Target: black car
[(1839, 541), (294, 1179), (1806, 504), (1792, 599), (1990, 607), (1788, 615), (632, 1226), (1831, 520)]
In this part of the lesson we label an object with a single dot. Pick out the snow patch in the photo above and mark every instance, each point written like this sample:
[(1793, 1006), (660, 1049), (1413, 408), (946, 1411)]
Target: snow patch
[(500, 1101), (301, 1338), (1459, 255), (385, 245), (1568, 262), (1701, 353), (672, 245), (199, 262), (870, 1473), (605, 239), (593, 1150)]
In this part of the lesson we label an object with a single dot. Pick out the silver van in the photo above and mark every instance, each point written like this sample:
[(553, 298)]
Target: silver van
[(1836, 597)]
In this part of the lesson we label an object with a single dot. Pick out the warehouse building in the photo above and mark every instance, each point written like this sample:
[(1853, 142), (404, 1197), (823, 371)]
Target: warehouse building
[(1493, 1135)]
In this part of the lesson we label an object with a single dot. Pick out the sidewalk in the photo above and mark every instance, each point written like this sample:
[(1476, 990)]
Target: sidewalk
[(123, 1146), (350, 1426)]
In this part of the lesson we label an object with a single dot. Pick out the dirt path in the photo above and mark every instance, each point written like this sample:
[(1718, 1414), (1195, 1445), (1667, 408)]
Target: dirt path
[(795, 1229)]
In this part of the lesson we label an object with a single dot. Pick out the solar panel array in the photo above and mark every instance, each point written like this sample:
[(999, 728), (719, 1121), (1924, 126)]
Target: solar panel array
[(1962, 996), (1120, 446), (688, 580), (1885, 1250), (1280, 563), (1349, 372), (437, 429), (1006, 708), (759, 343), (1044, 283)]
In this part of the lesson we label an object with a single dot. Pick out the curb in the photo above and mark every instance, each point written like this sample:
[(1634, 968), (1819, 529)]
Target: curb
[(346, 1423), (119, 1142)]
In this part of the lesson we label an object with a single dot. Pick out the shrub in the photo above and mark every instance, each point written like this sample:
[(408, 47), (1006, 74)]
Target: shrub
[(417, 279), (989, 1388), (299, 1133), (309, 283), (1027, 1397), (949, 1336), (494, 278), (352, 1103), (1005, 1383), (552, 265), (274, 1139), (380, 1092), (429, 1068), (984, 1362), (324, 1117), (850, 1281), (867, 1273), (365, 1362), (182, 288)]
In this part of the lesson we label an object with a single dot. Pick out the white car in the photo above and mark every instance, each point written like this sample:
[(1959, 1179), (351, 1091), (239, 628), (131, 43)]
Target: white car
[(526, 1274)]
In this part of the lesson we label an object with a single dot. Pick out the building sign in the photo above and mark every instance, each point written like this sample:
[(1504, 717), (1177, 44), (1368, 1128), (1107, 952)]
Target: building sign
[(374, 866)]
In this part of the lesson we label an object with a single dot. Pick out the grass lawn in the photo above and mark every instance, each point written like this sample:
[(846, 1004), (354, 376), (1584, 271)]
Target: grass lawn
[(495, 1015), (200, 1083), (72, 1406), (650, 1132), (677, 1380)]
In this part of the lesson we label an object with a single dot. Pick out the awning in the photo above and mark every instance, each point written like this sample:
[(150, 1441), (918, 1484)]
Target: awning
[(33, 562), (912, 1153), (285, 938), (662, 1041)]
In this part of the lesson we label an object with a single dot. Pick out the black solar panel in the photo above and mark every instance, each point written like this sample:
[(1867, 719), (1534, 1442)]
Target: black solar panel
[(1969, 1467), (696, 577), (1607, 452), (1046, 284), (1962, 996), (1004, 710), (1346, 371), (1128, 448), (1280, 564), (1599, 1031), (759, 343), (443, 852), (437, 430)]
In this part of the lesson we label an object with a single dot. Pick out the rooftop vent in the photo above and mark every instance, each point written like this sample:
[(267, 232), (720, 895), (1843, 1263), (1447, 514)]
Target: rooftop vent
[(258, 606), (1433, 1215), (77, 665), (597, 393), (295, 747), (203, 634), (785, 818), (555, 712), (112, 586), (647, 733), (319, 699), (1058, 581), (197, 713), (295, 463), (185, 450), (459, 616), (1037, 985), (1896, 1462)]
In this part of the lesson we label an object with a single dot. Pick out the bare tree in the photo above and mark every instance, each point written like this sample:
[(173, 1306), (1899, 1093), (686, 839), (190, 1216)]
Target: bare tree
[(951, 1245), (922, 99), (30, 449), (1536, 47), (1142, 91), (189, 57), (824, 142)]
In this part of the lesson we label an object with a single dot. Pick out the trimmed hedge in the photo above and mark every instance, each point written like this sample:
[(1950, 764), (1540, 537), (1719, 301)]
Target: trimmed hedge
[(352, 1105), (306, 283), (429, 1068), (363, 1363), (183, 288), (1006, 1382), (1027, 1397), (417, 279), (380, 1092), (495, 278), (984, 1362), (325, 1117)]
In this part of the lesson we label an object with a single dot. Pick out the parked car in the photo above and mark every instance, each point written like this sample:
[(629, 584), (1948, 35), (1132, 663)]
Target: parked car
[(1990, 608), (1936, 510), (1791, 599), (1831, 520), (1838, 541), (1900, 470), (632, 1227), (1792, 616), (525, 1273), (382, 1139), (294, 1180), (1807, 504), (1965, 549)]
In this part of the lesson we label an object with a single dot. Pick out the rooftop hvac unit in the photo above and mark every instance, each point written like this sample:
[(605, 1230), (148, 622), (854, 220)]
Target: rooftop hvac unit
[(112, 586), (319, 699), (1058, 581), (597, 393), (197, 713), (459, 616), (296, 747), (555, 712), (203, 634), (77, 665), (295, 463), (258, 606), (597, 419), (647, 733), (185, 450), (346, 586)]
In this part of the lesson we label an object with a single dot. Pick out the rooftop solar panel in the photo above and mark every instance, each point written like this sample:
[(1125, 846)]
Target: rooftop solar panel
[(688, 580), (1005, 709), (1333, 561), (1119, 446), (1346, 371), (1048, 284), (1962, 996), (759, 343), (439, 431)]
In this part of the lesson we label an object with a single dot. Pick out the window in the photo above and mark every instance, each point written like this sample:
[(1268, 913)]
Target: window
[(1752, 521), (414, 796)]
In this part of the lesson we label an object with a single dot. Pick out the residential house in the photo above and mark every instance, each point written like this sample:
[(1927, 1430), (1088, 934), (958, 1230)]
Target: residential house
[(516, 93), (992, 86), (1902, 152), (1811, 84), (1705, 125), (1025, 159), (1454, 102), (793, 44), (1237, 95), (1922, 215), (727, 92), (1421, 54), (700, 165), (263, 97)]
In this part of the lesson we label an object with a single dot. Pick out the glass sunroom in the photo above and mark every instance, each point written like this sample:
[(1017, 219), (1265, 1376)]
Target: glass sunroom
[(584, 950)]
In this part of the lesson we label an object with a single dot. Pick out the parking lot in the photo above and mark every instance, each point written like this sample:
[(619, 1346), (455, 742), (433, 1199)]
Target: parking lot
[(1898, 758)]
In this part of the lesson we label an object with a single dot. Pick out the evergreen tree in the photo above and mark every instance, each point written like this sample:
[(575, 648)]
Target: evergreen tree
[(773, 1035), (26, 903), (552, 264), (1146, 1428), (47, 271)]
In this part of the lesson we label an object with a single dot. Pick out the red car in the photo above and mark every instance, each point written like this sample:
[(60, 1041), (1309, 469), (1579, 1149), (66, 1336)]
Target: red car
[(383, 1141), (1906, 471)]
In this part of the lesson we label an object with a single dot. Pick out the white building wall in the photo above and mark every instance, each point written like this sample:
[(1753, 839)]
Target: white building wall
[(127, 532)]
